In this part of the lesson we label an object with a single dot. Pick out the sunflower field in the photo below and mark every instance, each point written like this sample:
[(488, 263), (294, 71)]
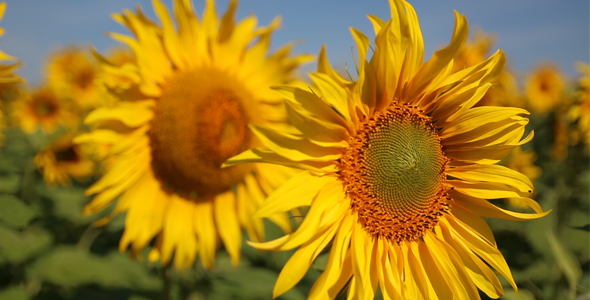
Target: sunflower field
[(196, 161)]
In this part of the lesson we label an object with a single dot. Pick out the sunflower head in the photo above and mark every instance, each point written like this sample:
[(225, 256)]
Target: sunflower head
[(62, 159), (579, 112), (74, 73), (474, 51), (185, 100), (544, 88), (7, 70), (43, 108), (400, 169)]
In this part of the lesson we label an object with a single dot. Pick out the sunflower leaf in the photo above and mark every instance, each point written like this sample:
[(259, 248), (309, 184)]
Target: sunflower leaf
[(17, 292), (71, 267), (16, 247), (14, 212)]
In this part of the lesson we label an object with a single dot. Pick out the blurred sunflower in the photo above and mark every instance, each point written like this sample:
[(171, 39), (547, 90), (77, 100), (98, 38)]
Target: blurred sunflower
[(579, 112), (196, 89), (544, 88), (73, 72), (119, 61), (7, 70), (42, 108), (504, 90), (62, 160), (399, 167), (474, 51), (7, 75)]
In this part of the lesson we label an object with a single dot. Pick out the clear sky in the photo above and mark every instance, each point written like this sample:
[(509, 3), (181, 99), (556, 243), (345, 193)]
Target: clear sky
[(529, 31)]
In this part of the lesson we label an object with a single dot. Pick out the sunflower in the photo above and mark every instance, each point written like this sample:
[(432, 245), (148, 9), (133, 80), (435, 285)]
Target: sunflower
[(544, 88), (195, 90), (62, 160), (474, 51), (42, 108), (7, 70), (73, 72), (399, 169), (579, 113), (504, 90), (7, 75)]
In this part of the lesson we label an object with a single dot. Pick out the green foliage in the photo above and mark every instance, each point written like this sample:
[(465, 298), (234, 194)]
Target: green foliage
[(14, 212), (72, 267)]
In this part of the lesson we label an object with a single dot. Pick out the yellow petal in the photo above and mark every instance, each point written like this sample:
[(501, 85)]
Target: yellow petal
[(487, 210), (226, 220), (492, 173), (296, 192), (488, 253), (480, 273), (204, 227), (301, 260)]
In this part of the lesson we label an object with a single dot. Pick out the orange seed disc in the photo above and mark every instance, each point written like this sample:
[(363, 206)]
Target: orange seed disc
[(393, 172), (200, 121)]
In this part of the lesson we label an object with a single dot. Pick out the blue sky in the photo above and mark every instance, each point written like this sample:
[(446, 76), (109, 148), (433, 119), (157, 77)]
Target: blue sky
[(529, 31)]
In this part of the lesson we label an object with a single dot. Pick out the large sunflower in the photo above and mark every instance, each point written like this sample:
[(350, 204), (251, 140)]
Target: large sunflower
[(399, 171), (195, 88)]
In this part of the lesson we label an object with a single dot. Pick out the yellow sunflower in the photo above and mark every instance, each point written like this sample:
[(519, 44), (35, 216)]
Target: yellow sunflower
[(42, 108), (504, 90), (544, 88), (399, 171), (73, 72), (579, 112), (62, 160), (474, 51), (7, 70), (7, 75), (195, 90)]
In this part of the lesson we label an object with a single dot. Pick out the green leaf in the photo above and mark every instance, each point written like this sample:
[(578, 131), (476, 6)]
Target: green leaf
[(67, 203), (16, 292), (585, 227), (10, 183), (566, 261), (246, 282), (14, 212), (522, 294), (16, 247), (70, 267)]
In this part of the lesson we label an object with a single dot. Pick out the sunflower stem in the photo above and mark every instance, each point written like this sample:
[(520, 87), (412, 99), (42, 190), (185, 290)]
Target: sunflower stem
[(167, 286)]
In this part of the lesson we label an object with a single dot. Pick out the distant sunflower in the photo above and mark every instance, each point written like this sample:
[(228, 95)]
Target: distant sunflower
[(399, 170), (195, 90), (7, 75), (62, 160), (544, 89), (42, 108), (73, 72), (474, 51), (7, 70), (579, 113), (504, 90)]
